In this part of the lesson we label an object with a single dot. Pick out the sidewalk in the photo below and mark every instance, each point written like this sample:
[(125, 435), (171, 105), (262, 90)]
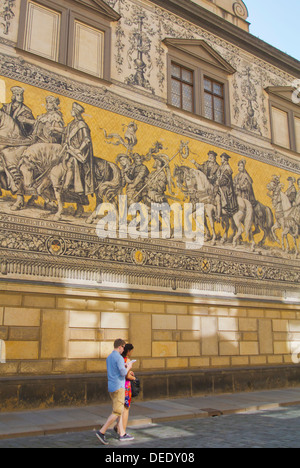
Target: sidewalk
[(73, 419)]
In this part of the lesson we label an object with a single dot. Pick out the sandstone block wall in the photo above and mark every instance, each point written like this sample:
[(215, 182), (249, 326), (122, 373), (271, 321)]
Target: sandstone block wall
[(59, 331)]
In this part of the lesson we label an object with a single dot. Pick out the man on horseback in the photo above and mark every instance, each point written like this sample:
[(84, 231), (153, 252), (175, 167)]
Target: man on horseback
[(291, 191), (45, 124), (24, 119), (243, 184), (210, 168), (21, 114), (224, 187)]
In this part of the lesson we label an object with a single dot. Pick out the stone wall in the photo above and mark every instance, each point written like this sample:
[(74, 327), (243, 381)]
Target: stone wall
[(46, 330)]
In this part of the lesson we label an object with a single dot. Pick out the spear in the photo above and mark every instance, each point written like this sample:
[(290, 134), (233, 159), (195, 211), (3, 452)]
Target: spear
[(183, 150)]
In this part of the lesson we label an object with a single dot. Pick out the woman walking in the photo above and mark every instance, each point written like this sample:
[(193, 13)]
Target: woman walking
[(128, 350)]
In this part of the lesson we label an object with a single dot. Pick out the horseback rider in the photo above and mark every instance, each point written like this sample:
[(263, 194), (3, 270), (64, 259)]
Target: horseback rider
[(210, 168), (21, 114), (291, 191), (224, 187), (243, 184), (24, 119), (45, 124)]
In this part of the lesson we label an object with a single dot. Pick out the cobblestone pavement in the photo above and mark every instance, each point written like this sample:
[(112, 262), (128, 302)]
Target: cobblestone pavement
[(277, 428)]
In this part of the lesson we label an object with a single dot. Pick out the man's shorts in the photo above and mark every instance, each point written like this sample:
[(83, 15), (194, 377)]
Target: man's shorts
[(118, 399)]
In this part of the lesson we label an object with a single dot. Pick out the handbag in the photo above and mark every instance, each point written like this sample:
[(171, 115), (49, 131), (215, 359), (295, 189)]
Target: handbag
[(135, 387)]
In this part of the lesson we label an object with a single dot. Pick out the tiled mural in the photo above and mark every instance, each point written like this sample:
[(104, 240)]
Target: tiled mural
[(68, 146)]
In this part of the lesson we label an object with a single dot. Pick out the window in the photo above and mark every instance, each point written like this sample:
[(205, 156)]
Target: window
[(182, 88), (281, 128), (214, 100), (198, 79), (77, 36), (42, 31), (285, 118), (88, 49)]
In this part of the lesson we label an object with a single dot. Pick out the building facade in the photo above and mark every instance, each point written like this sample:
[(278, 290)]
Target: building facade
[(171, 104)]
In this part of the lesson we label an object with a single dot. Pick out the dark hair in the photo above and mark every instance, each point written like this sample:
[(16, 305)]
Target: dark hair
[(128, 347), (119, 342)]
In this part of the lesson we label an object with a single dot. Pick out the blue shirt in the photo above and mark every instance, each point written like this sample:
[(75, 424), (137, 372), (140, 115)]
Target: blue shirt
[(116, 372)]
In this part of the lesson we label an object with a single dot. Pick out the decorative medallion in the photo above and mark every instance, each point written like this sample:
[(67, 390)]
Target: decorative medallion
[(205, 266), (261, 272), (139, 257), (56, 246)]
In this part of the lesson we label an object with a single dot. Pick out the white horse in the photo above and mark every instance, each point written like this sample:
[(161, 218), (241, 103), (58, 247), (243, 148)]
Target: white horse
[(195, 184), (284, 216)]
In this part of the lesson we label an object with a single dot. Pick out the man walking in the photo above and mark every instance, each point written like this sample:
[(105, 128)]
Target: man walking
[(116, 373)]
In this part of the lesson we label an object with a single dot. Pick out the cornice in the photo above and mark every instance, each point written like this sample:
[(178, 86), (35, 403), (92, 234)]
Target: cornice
[(220, 27)]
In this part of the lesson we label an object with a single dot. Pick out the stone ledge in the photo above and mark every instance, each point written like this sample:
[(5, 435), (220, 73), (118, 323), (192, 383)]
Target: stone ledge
[(20, 393)]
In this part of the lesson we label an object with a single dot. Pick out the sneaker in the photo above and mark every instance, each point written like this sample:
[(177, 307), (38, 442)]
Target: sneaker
[(126, 437), (101, 437)]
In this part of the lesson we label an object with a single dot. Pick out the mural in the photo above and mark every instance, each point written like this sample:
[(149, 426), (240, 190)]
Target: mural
[(61, 158)]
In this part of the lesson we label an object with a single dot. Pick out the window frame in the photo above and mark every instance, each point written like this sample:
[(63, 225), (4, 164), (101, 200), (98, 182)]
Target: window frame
[(214, 95), (70, 14), (292, 113), (182, 82), (200, 69), (100, 25), (62, 54)]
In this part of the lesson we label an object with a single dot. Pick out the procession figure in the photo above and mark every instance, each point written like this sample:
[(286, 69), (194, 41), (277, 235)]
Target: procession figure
[(137, 180), (126, 168), (243, 184), (224, 187), (159, 180), (291, 191), (45, 124), (295, 213), (78, 154), (21, 114), (24, 120), (209, 168)]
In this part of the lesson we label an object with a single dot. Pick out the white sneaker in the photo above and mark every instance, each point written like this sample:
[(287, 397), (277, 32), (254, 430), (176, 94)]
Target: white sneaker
[(126, 437)]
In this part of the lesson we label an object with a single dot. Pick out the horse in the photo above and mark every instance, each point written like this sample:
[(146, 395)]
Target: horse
[(195, 184), (284, 216), (43, 170), (264, 220)]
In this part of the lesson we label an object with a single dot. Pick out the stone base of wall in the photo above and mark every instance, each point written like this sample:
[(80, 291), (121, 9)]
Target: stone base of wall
[(76, 390), (62, 331)]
